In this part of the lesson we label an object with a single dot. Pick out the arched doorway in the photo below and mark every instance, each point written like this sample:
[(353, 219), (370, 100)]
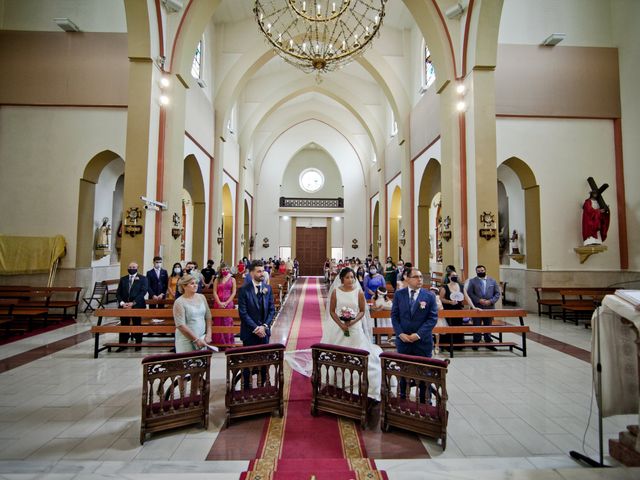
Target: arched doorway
[(95, 202), (530, 237), (247, 230), (395, 216), (429, 187), (376, 230), (193, 183), (227, 225)]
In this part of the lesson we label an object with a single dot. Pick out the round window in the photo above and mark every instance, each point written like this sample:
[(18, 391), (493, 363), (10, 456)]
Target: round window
[(311, 180)]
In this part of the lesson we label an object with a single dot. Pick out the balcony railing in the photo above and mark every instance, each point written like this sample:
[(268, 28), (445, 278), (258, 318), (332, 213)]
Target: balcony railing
[(293, 202)]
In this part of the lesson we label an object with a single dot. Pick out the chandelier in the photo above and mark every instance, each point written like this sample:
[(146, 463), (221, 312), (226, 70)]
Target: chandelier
[(319, 35)]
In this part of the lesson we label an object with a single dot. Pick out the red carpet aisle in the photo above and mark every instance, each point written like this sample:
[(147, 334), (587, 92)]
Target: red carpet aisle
[(299, 445)]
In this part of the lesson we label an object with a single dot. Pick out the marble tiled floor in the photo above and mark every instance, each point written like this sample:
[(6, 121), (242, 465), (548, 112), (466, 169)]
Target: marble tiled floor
[(67, 415)]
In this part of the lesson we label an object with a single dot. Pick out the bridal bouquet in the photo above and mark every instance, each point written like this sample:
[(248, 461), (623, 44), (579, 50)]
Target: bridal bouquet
[(346, 315)]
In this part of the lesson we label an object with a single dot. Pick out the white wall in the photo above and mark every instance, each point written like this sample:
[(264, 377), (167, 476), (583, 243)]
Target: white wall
[(586, 22), (320, 160), (272, 171), (43, 154), (562, 153), (625, 20)]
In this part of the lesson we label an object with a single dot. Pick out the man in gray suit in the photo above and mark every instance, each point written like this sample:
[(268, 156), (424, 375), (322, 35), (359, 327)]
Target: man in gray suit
[(484, 293)]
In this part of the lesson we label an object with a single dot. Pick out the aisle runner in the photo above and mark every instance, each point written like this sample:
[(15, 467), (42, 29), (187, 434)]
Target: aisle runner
[(300, 445)]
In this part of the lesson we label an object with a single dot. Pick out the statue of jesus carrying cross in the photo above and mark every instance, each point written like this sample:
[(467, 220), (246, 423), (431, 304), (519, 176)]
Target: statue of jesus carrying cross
[(595, 215)]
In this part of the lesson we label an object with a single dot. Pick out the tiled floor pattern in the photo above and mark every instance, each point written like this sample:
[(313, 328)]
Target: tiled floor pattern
[(67, 414)]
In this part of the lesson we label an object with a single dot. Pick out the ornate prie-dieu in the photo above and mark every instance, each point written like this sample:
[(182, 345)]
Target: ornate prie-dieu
[(255, 379), (414, 395), (340, 381), (175, 391)]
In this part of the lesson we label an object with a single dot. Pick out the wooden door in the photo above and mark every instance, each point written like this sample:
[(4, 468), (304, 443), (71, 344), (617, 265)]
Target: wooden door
[(311, 249)]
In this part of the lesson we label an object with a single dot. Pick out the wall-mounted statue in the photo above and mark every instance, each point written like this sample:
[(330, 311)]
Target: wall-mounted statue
[(515, 243), (595, 215), (103, 239)]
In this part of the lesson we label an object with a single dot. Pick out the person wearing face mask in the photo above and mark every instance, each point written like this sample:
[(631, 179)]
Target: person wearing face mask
[(208, 274), (372, 281), (224, 291), (453, 297), (176, 274), (191, 268), (484, 293), (132, 289), (158, 280)]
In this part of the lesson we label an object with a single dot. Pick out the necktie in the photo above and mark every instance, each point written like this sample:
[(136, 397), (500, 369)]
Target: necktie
[(412, 299), (260, 298), (484, 287), (131, 278)]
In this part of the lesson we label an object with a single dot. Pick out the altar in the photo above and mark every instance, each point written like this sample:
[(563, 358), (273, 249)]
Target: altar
[(619, 330)]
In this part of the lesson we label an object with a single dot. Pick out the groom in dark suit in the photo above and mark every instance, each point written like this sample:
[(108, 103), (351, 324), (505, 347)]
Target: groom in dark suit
[(130, 295), (413, 315), (256, 307)]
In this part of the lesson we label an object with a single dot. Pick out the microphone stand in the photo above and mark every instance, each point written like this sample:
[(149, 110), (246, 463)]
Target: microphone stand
[(577, 455)]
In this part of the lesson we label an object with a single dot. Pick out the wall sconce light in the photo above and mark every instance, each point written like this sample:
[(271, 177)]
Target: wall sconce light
[(242, 239), (403, 239), (220, 235), (379, 241)]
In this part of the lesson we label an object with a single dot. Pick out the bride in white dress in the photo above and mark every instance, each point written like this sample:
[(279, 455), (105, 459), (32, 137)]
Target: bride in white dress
[(345, 292), (348, 294)]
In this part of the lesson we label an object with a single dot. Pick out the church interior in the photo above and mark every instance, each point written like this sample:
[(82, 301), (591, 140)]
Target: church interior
[(465, 133)]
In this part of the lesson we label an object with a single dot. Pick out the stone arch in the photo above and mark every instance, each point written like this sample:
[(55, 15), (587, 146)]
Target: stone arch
[(482, 44), (227, 225), (293, 90), (86, 206), (533, 235), (193, 182), (376, 230), (429, 187), (395, 215)]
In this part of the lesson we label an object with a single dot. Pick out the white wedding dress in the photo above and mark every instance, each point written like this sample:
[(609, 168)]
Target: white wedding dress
[(360, 336)]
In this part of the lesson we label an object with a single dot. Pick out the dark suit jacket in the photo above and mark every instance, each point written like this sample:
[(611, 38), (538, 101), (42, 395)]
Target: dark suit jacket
[(492, 292), (158, 286), (135, 294), (420, 319), (251, 316)]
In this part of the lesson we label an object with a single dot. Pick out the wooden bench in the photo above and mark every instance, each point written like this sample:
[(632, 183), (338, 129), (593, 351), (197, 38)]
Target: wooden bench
[(255, 381), (403, 409), (149, 327), (551, 298), (580, 303), (340, 381), (112, 289), (497, 327), (175, 391)]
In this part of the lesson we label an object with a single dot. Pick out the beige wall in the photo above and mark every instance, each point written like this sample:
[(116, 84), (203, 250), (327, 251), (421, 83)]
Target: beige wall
[(559, 81), (308, 158), (50, 68), (43, 154)]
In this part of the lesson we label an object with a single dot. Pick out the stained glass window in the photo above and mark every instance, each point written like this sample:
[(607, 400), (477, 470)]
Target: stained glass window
[(196, 65), (428, 71)]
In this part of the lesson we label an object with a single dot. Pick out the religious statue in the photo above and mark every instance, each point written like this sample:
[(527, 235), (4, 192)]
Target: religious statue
[(595, 215), (515, 244), (103, 239)]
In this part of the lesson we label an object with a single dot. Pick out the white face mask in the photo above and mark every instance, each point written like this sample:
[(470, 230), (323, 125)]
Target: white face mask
[(158, 265), (177, 270)]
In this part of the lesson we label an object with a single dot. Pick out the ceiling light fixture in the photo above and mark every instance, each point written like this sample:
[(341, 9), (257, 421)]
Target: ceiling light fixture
[(66, 25), (553, 39), (319, 36)]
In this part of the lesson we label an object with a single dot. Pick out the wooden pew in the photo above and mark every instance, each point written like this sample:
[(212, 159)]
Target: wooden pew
[(551, 298), (498, 327), (112, 289), (49, 298), (578, 303), (150, 327)]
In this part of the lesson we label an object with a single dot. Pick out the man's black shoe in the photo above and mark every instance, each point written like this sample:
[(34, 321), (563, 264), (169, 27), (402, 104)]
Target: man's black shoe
[(475, 349), (140, 348), (121, 349), (492, 348)]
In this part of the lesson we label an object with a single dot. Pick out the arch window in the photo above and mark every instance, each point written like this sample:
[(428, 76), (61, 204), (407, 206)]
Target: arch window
[(196, 65), (427, 71)]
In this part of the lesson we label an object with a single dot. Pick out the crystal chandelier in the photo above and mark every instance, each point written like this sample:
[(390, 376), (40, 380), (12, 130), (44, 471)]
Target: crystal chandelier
[(319, 35)]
